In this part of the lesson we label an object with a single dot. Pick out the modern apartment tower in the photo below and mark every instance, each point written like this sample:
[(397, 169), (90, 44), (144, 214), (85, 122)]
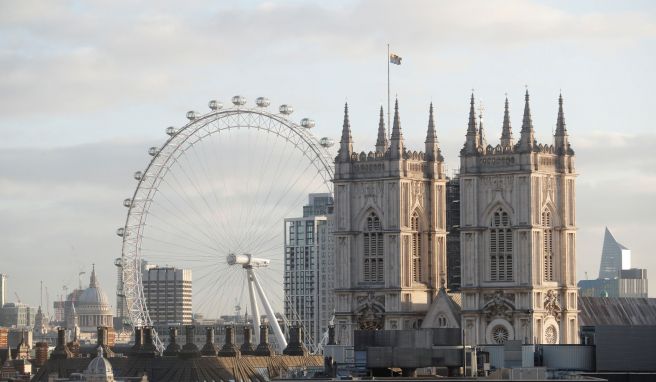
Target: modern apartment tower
[(309, 267), (168, 295)]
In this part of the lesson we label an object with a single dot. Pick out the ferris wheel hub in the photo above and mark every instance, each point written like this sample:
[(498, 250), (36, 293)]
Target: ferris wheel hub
[(246, 260)]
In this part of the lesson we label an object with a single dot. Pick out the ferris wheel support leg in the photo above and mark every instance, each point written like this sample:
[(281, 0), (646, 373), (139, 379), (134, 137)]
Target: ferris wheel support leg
[(280, 338), (254, 309)]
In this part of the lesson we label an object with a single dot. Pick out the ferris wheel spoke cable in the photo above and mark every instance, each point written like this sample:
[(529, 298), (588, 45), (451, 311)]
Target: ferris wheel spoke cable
[(256, 207), (225, 226), (286, 155), (213, 290), (193, 179), (188, 237), (181, 214), (201, 227), (265, 166), (189, 201), (279, 218), (177, 245), (293, 206), (183, 234), (219, 223)]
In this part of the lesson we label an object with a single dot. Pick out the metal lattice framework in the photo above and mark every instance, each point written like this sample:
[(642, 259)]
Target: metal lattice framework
[(200, 127)]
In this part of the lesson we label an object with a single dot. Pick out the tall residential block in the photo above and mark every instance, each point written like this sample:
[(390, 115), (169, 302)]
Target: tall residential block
[(309, 267)]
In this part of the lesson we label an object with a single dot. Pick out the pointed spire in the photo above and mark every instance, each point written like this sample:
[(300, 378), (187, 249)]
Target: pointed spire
[(93, 282), (432, 148), (381, 142), (472, 140), (527, 136), (506, 130), (481, 134), (396, 144), (431, 135), (346, 143), (471, 127), (561, 140)]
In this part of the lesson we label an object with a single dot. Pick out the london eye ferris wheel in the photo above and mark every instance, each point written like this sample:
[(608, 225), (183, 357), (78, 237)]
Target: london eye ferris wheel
[(217, 190)]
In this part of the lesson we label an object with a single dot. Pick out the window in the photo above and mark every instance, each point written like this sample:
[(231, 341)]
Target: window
[(373, 250), (501, 247), (441, 321), (547, 246), (416, 247)]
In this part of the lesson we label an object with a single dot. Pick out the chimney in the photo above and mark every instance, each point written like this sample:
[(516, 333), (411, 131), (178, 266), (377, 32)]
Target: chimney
[(189, 350), (102, 341), (264, 348), (247, 348), (138, 341), (148, 349), (210, 348), (173, 349), (331, 335), (61, 351), (229, 349), (295, 346)]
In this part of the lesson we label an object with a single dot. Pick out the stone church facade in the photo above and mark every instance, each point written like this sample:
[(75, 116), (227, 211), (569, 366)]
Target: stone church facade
[(390, 239), (518, 235)]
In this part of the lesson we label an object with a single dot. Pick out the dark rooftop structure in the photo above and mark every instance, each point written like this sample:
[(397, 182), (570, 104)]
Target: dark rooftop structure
[(598, 311)]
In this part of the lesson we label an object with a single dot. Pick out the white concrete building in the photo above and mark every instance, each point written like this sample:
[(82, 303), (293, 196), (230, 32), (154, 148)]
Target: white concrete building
[(518, 235)]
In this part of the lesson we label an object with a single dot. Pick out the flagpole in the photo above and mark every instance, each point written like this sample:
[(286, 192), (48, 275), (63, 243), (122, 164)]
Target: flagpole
[(389, 128)]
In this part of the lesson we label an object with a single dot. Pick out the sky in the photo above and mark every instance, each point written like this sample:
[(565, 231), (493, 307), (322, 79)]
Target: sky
[(87, 87)]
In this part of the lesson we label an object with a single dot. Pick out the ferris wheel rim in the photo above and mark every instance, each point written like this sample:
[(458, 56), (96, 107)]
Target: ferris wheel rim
[(161, 163)]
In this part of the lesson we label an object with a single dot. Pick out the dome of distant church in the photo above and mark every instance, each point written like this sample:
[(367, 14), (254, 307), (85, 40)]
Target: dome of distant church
[(99, 369), (92, 306)]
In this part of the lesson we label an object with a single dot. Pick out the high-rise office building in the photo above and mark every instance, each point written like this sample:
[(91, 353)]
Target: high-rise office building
[(168, 295), (309, 267), (616, 277), (614, 257)]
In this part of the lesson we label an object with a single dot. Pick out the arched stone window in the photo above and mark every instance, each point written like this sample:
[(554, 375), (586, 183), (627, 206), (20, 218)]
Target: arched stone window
[(501, 247), (373, 267), (441, 321), (416, 247), (547, 228)]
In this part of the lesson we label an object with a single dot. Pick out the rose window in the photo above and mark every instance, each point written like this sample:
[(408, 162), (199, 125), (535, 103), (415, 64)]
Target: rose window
[(500, 334)]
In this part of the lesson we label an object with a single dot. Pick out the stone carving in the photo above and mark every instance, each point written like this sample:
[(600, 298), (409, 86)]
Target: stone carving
[(417, 193), (498, 183), (498, 304), (371, 312), (551, 304)]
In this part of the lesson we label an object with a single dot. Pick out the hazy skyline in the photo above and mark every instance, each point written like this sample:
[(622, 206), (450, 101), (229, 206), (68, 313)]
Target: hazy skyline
[(87, 87)]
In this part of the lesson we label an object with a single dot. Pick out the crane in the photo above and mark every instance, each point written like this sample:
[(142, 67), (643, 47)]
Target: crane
[(17, 298)]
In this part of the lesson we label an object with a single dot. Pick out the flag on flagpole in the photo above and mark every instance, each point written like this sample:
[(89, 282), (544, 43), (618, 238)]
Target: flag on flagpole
[(394, 59)]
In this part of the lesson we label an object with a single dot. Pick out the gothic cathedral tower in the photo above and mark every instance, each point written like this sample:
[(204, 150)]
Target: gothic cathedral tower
[(390, 234), (518, 235)]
